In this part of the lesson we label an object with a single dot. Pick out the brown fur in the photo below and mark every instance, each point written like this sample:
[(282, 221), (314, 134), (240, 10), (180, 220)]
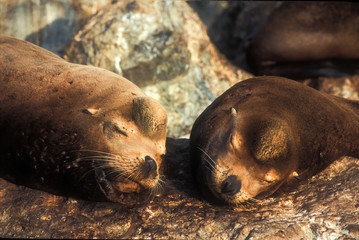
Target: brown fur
[(302, 39), (75, 127), (262, 130)]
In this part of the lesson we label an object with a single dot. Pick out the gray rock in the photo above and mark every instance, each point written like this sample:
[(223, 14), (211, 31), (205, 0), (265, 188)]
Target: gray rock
[(163, 47), (323, 207), (47, 23)]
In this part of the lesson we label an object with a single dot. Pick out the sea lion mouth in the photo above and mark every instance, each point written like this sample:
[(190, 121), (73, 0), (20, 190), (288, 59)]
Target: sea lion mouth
[(112, 186), (109, 188)]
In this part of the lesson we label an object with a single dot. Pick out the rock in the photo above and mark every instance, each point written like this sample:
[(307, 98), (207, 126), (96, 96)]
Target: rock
[(47, 23), (231, 30), (323, 207), (209, 11), (347, 87), (161, 46)]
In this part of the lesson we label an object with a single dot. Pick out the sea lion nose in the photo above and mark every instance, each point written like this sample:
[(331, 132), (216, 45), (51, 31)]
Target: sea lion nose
[(231, 185), (150, 165)]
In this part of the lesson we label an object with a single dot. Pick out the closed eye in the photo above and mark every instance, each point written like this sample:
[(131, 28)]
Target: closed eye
[(109, 129), (268, 181), (117, 129)]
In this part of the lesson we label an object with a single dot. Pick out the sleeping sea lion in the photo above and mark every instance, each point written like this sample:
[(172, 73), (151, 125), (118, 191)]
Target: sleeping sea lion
[(69, 128), (263, 131), (308, 39)]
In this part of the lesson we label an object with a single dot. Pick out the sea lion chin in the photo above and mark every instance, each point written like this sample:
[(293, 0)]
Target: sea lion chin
[(264, 131), (75, 129)]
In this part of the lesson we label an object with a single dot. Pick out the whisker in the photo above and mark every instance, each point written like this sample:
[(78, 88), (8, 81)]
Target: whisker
[(203, 151), (104, 160), (87, 172), (135, 171), (211, 170), (155, 190), (96, 151), (97, 160), (209, 160), (102, 157), (122, 174), (160, 180)]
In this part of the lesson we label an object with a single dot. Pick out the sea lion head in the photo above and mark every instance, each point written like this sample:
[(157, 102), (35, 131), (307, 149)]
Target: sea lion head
[(125, 145), (246, 156)]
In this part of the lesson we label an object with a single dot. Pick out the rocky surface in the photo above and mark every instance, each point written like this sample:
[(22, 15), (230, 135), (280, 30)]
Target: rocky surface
[(347, 87), (47, 23), (163, 47), (324, 207)]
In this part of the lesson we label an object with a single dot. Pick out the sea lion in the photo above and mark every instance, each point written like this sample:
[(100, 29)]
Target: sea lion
[(263, 131), (74, 128), (301, 40)]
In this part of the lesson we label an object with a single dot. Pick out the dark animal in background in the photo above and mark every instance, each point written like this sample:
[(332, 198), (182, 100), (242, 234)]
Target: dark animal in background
[(302, 39)]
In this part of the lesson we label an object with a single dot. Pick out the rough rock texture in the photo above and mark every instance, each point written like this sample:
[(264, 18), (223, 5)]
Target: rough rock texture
[(47, 23), (324, 207), (347, 87), (161, 46)]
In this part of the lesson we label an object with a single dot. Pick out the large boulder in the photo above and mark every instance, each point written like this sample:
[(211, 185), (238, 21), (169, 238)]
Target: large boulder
[(163, 47), (47, 23)]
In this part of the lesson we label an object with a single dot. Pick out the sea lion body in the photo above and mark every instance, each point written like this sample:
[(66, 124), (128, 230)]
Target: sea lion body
[(262, 131), (308, 39), (74, 127)]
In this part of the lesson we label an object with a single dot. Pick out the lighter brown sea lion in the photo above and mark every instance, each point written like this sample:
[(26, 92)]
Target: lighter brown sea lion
[(74, 128), (265, 130)]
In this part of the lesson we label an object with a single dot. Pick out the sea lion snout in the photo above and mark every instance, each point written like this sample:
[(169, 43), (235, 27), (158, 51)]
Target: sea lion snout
[(231, 185), (150, 167)]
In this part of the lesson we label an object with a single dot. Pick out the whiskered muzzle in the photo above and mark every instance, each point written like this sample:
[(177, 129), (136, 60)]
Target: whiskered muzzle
[(231, 185)]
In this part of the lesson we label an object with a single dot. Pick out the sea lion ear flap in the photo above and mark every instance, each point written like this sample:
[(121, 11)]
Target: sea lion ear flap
[(150, 117), (90, 111), (233, 112)]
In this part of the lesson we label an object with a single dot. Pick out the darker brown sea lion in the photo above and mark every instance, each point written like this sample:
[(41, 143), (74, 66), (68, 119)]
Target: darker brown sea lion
[(308, 39), (74, 128), (265, 130)]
